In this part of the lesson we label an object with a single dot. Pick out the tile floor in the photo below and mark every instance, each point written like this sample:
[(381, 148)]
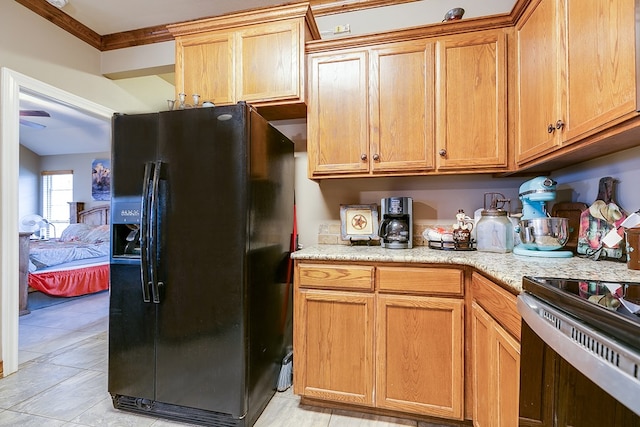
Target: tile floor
[(62, 379)]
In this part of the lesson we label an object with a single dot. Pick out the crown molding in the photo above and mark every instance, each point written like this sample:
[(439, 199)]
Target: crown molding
[(160, 33), (64, 21)]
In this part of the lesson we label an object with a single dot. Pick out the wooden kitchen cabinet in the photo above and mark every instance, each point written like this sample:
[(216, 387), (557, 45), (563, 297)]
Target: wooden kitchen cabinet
[(255, 56), (333, 343), (338, 122), (471, 101), (576, 72), (495, 355), (334, 332), (402, 107), (419, 351), (496, 367), (205, 66), (399, 346), (365, 117)]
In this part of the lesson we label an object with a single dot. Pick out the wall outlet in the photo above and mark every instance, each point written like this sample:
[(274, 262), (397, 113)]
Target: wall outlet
[(341, 29)]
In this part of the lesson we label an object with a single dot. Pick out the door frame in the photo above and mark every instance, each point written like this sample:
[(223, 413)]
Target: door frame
[(11, 83)]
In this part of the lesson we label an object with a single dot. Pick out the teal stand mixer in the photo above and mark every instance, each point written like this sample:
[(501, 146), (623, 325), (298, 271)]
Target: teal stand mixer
[(540, 234)]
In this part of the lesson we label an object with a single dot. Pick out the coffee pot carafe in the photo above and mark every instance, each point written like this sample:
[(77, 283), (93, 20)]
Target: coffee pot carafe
[(396, 228)]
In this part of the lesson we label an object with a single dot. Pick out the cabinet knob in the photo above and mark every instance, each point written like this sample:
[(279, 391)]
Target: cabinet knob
[(551, 128), (442, 152), (559, 124), (363, 157), (376, 157)]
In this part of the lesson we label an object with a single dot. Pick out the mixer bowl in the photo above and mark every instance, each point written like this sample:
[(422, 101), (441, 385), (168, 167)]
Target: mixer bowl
[(544, 234)]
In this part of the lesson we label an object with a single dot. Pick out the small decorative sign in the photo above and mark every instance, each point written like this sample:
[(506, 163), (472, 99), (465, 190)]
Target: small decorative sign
[(101, 179), (359, 222)]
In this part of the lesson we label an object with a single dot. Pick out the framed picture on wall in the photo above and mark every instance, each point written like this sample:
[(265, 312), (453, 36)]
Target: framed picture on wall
[(101, 179)]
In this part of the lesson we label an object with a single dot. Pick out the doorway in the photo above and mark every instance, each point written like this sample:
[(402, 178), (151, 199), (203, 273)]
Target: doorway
[(11, 84)]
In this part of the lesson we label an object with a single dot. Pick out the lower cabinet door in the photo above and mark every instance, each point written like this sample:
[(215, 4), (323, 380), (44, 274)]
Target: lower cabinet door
[(482, 359), (420, 344), (333, 343), (496, 372), (507, 377)]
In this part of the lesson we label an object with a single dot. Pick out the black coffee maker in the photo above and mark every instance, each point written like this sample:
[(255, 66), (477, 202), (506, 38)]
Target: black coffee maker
[(396, 228)]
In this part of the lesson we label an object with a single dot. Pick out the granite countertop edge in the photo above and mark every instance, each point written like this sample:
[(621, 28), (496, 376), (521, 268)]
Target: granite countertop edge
[(505, 268)]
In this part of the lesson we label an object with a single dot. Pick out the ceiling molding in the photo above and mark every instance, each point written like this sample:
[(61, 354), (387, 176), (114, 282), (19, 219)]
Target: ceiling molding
[(407, 34), (246, 18), (160, 33), (64, 21), (138, 37), (432, 30)]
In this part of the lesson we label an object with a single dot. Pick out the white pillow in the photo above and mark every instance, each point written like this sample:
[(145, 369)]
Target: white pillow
[(75, 232), (99, 234)]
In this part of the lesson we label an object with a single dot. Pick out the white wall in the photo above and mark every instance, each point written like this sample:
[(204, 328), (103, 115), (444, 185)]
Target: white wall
[(80, 164), (436, 199), (31, 166), (29, 183), (31, 45), (580, 182), (406, 15)]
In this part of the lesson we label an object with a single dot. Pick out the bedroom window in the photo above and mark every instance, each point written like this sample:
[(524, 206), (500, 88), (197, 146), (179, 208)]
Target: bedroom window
[(57, 192)]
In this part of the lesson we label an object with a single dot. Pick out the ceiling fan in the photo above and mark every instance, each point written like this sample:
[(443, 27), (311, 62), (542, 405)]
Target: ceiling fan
[(33, 113)]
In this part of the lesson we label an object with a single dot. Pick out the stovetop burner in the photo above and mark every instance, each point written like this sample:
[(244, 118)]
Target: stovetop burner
[(613, 307)]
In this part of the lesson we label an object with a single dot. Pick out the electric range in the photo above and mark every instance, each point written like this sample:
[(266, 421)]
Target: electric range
[(594, 325), (612, 307)]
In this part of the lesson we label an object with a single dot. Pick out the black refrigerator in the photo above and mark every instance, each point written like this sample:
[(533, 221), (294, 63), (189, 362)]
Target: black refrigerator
[(200, 305)]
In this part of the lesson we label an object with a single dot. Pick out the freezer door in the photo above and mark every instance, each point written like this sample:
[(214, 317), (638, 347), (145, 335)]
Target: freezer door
[(132, 323), (134, 142), (132, 326)]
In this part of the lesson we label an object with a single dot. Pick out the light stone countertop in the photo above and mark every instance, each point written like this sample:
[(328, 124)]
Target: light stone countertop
[(507, 269)]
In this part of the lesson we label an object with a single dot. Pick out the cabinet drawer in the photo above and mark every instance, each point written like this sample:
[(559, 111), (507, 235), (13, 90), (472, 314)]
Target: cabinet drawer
[(325, 276), (420, 280), (499, 303)]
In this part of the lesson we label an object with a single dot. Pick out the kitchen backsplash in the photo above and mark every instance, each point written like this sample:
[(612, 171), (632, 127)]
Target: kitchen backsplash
[(329, 233)]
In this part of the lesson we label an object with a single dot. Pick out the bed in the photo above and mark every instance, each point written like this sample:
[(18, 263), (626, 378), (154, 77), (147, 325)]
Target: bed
[(76, 263)]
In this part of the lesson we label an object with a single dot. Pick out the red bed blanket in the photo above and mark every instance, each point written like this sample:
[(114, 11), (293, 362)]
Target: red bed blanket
[(72, 282)]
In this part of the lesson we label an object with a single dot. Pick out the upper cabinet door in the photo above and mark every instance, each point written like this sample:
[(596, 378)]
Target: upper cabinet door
[(270, 61), (255, 56), (471, 131), (537, 109), (402, 107), (599, 57), (338, 125), (576, 72), (205, 66)]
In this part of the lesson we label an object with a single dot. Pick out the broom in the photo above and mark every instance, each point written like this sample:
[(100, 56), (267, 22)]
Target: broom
[(285, 378), (286, 372)]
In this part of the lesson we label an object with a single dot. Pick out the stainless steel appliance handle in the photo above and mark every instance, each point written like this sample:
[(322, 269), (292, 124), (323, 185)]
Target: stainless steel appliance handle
[(153, 233), (609, 364), (144, 233)]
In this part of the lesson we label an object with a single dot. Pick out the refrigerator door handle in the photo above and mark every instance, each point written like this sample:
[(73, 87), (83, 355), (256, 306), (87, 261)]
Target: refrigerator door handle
[(144, 232), (154, 240)]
